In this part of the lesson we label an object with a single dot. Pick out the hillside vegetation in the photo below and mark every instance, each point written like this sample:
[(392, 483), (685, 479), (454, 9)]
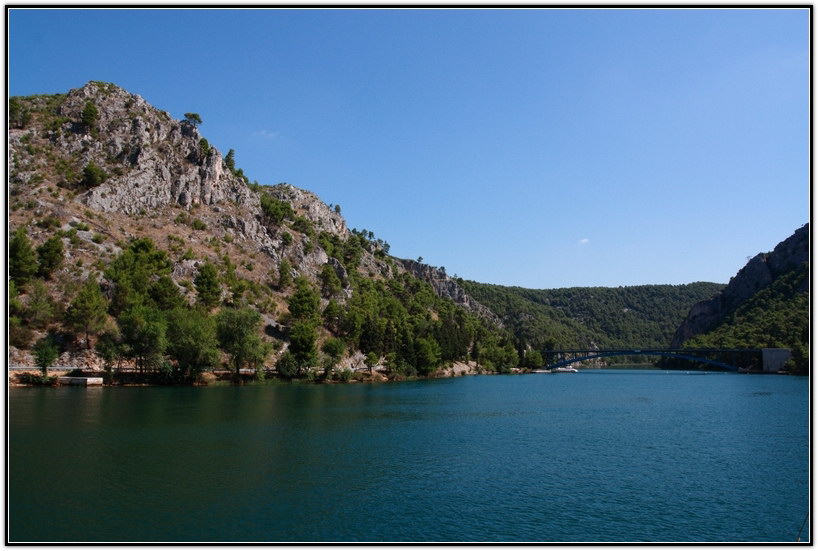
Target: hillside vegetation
[(137, 248), (766, 305), (593, 317), (135, 244)]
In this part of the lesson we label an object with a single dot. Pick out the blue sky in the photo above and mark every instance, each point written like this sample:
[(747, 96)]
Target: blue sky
[(542, 147)]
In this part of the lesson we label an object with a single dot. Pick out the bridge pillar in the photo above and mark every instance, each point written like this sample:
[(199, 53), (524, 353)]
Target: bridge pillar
[(773, 359)]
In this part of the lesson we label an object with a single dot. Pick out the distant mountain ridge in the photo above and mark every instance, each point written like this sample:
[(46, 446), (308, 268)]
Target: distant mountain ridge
[(592, 317)]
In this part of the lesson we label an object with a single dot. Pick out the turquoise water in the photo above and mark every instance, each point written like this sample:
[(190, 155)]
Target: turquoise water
[(601, 455)]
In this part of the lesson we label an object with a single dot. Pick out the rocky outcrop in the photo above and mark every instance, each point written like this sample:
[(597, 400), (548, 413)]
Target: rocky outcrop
[(446, 287), (309, 205), (157, 160), (757, 274)]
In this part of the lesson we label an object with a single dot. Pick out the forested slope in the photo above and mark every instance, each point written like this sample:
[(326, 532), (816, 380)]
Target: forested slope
[(596, 317), (766, 305)]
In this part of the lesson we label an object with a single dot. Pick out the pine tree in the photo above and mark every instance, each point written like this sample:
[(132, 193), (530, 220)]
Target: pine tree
[(50, 255), (330, 282), (45, 353), (193, 119), (302, 345), (86, 313), (285, 276), (92, 176), (41, 308), (230, 160), (208, 288), (22, 258), (304, 303), (90, 115), (165, 294)]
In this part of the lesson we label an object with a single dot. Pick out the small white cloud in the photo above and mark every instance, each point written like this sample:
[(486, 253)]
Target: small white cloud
[(584, 241), (266, 134)]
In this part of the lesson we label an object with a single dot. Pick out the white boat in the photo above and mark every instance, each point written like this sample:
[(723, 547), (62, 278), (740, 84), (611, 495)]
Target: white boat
[(567, 369)]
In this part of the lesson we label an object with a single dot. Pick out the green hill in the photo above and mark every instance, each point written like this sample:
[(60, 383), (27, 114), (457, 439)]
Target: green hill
[(775, 317), (601, 317), (765, 305)]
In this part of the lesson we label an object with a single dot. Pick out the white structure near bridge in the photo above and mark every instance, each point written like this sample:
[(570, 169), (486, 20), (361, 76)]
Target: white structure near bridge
[(773, 359)]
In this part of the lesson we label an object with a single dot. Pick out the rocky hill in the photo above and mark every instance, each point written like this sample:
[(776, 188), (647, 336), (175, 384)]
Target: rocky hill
[(112, 182), (765, 305), (759, 273)]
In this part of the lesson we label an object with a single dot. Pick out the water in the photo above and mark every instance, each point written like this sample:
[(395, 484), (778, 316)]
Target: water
[(601, 455)]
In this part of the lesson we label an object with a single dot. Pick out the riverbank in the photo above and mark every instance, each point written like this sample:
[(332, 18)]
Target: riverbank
[(20, 376)]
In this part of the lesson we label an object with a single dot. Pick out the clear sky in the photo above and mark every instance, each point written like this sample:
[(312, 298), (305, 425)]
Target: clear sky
[(540, 147)]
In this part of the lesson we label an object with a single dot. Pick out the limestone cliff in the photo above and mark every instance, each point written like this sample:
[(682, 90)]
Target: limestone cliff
[(756, 275), (446, 287), (154, 165)]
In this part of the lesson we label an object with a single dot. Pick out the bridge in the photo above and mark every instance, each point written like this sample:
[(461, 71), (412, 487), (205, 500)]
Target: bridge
[(724, 358)]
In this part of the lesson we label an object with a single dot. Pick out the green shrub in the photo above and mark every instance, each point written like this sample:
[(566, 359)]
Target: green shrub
[(301, 224), (287, 366), (34, 379), (344, 375), (275, 209), (50, 256), (19, 115), (204, 148), (49, 222), (90, 115), (285, 276), (92, 176)]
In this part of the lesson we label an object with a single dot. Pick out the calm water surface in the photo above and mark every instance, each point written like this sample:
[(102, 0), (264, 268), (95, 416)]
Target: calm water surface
[(601, 455)]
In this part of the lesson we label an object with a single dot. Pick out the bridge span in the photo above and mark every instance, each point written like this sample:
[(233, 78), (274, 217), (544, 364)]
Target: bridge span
[(731, 359)]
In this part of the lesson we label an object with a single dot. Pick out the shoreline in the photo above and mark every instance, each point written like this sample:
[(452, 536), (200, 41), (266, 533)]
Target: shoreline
[(248, 376)]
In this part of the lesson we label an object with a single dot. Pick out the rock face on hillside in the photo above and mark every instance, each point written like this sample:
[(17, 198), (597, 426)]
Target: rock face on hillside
[(757, 274), (162, 159), (446, 287), (315, 210)]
